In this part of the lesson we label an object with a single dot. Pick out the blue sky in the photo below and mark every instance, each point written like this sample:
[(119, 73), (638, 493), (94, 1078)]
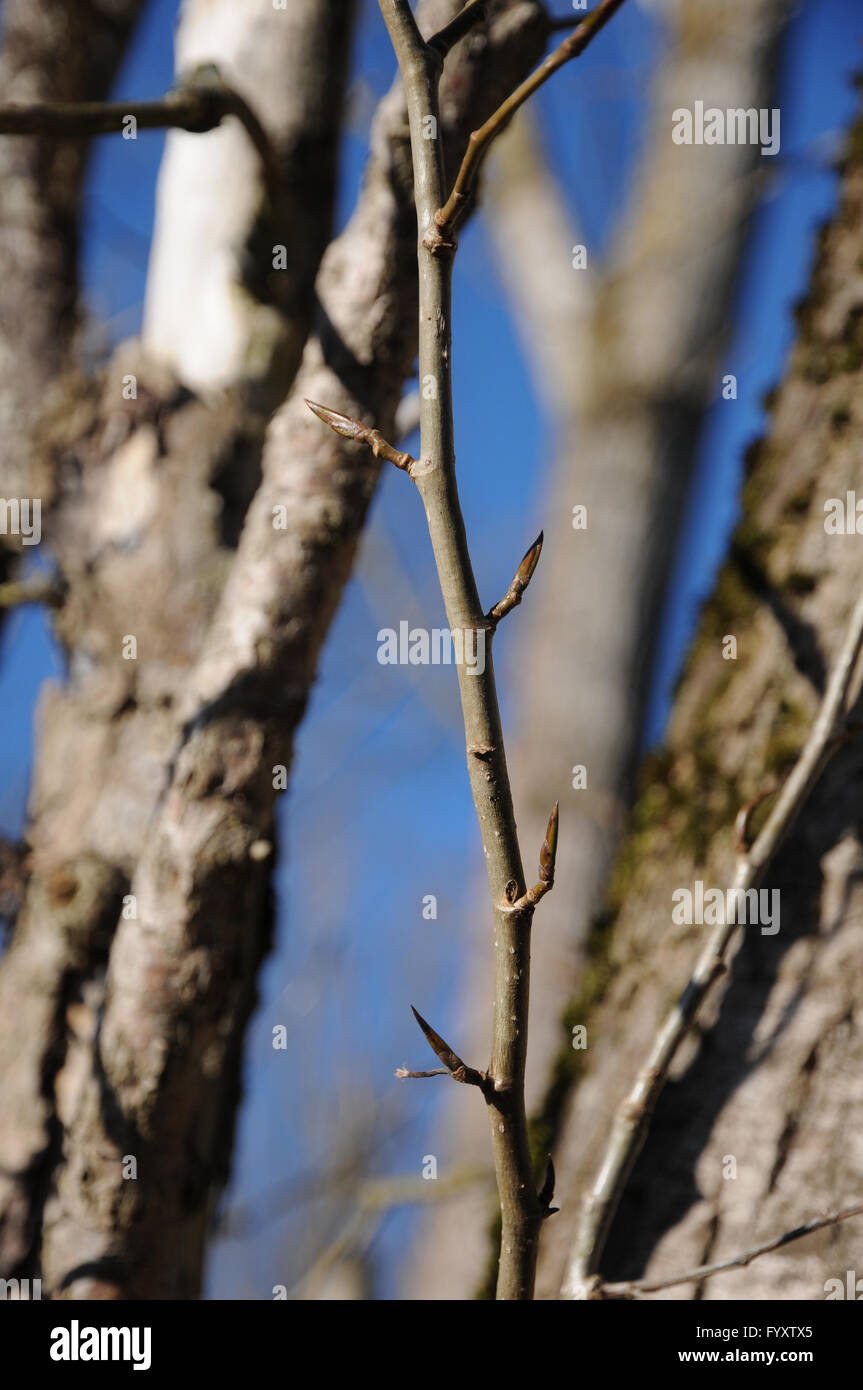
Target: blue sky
[(380, 760)]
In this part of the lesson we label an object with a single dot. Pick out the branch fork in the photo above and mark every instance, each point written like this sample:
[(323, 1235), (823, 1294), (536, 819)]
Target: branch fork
[(448, 217)]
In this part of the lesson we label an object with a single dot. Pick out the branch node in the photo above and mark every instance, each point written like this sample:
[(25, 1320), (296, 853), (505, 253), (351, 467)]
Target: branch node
[(436, 243), (450, 214)]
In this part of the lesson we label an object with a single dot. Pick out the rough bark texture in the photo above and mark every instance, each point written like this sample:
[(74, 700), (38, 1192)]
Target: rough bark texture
[(64, 50), (60, 50), (146, 499), (625, 355), (179, 811), (776, 1084), (52, 50), (217, 237)]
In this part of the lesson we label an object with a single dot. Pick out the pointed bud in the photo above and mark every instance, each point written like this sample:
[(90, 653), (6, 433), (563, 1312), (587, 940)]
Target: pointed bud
[(523, 576), (547, 1192), (342, 424), (524, 573), (548, 853), (437, 1044), (454, 1065), (349, 428)]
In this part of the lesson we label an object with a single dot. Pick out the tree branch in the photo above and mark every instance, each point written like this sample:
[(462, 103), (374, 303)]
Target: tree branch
[(634, 1113), (634, 1286), (513, 904), (349, 428), (447, 37), (450, 214), (435, 478), (240, 707), (197, 104)]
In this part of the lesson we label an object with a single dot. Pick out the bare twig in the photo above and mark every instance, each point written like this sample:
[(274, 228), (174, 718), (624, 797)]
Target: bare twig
[(436, 481), (198, 103), (633, 1115), (635, 1286), (449, 215), (402, 1072), (349, 428), (513, 904)]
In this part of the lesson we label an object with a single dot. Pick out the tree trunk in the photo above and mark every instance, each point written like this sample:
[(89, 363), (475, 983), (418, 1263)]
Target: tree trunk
[(145, 489), (775, 1084), (174, 821)]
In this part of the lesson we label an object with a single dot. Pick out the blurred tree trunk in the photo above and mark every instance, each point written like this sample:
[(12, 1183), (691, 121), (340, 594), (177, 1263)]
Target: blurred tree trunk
[(776, 1084), (144, 496), (625, 355), (126, 1044), (216, 240), (52, 50)]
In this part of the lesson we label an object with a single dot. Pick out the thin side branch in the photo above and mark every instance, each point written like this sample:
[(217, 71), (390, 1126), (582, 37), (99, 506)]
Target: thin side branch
[(449, 216), (349, 428), (634, 1113), (447, 37), (635, 1286), (198, 104)]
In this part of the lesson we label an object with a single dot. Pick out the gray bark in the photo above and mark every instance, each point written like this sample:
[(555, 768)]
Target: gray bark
[(774, 1084), (62, 51), (147, 497), (183, 743)]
